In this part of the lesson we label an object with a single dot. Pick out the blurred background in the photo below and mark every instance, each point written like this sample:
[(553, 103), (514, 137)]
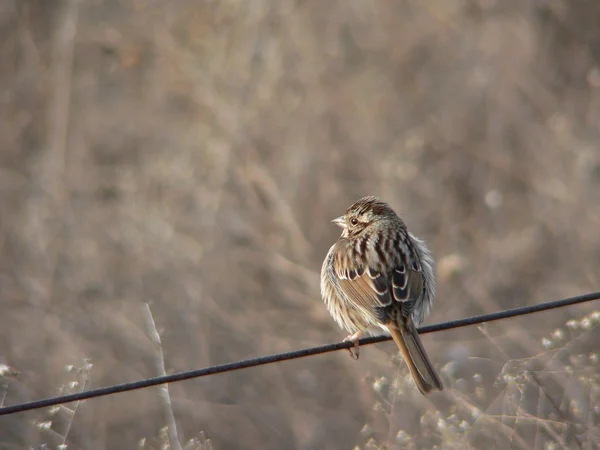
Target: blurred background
[(191, 154)]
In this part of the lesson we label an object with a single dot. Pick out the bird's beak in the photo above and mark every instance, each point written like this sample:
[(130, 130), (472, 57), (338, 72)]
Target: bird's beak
[(340, 222)]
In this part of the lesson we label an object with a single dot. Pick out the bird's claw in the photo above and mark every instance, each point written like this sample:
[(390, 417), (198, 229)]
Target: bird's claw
[(354, 351)]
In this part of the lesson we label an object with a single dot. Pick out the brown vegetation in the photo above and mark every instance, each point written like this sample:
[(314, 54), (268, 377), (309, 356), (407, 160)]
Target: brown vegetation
[(191, 155)]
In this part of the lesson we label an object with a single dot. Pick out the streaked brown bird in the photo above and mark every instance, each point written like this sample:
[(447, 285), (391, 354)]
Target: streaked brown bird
[(378, 273)]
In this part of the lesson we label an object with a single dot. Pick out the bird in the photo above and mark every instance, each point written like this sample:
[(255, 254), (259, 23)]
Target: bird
[(380, 274)]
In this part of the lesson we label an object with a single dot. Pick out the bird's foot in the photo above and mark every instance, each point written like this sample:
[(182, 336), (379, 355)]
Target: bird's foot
[(354, 351)]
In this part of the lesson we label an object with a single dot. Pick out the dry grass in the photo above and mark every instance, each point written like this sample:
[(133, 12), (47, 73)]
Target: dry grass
[(190, 155), (499, 402)]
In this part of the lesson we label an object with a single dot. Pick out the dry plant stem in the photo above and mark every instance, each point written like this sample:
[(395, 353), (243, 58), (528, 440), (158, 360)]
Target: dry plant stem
[(590, 423), (518, 420), (74, 411), (540, 410), (394, 393), (509, 419), (3, 395), (545, 424), (483, 330), (558, 410), (164, 389), (531, 348), (49, 191), (484, 419)]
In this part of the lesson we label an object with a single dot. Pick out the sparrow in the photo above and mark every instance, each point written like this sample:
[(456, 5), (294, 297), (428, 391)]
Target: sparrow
[(379, 274)]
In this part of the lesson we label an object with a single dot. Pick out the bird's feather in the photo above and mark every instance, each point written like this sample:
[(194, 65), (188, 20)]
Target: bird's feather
[(382, 296)]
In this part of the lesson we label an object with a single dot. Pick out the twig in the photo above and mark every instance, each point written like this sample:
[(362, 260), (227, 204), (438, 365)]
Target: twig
[(164, 389), (86, 374)]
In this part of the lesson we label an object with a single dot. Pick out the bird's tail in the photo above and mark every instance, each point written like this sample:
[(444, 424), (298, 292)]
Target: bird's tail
[(407, 339)]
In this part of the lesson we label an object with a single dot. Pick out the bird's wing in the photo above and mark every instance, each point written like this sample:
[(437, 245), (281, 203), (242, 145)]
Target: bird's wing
[(377, 293), (407, 287)]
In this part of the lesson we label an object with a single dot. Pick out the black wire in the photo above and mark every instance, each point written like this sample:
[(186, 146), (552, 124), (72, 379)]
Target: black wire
[(37, 404)]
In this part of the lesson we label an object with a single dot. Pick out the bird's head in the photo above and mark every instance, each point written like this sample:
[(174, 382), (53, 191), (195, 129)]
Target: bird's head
[(362, 214)]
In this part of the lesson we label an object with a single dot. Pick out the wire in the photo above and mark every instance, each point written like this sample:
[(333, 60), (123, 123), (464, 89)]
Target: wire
[(244, 364)]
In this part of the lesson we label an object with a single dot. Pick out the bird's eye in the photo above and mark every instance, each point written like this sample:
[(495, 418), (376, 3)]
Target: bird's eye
[(354, 221)]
